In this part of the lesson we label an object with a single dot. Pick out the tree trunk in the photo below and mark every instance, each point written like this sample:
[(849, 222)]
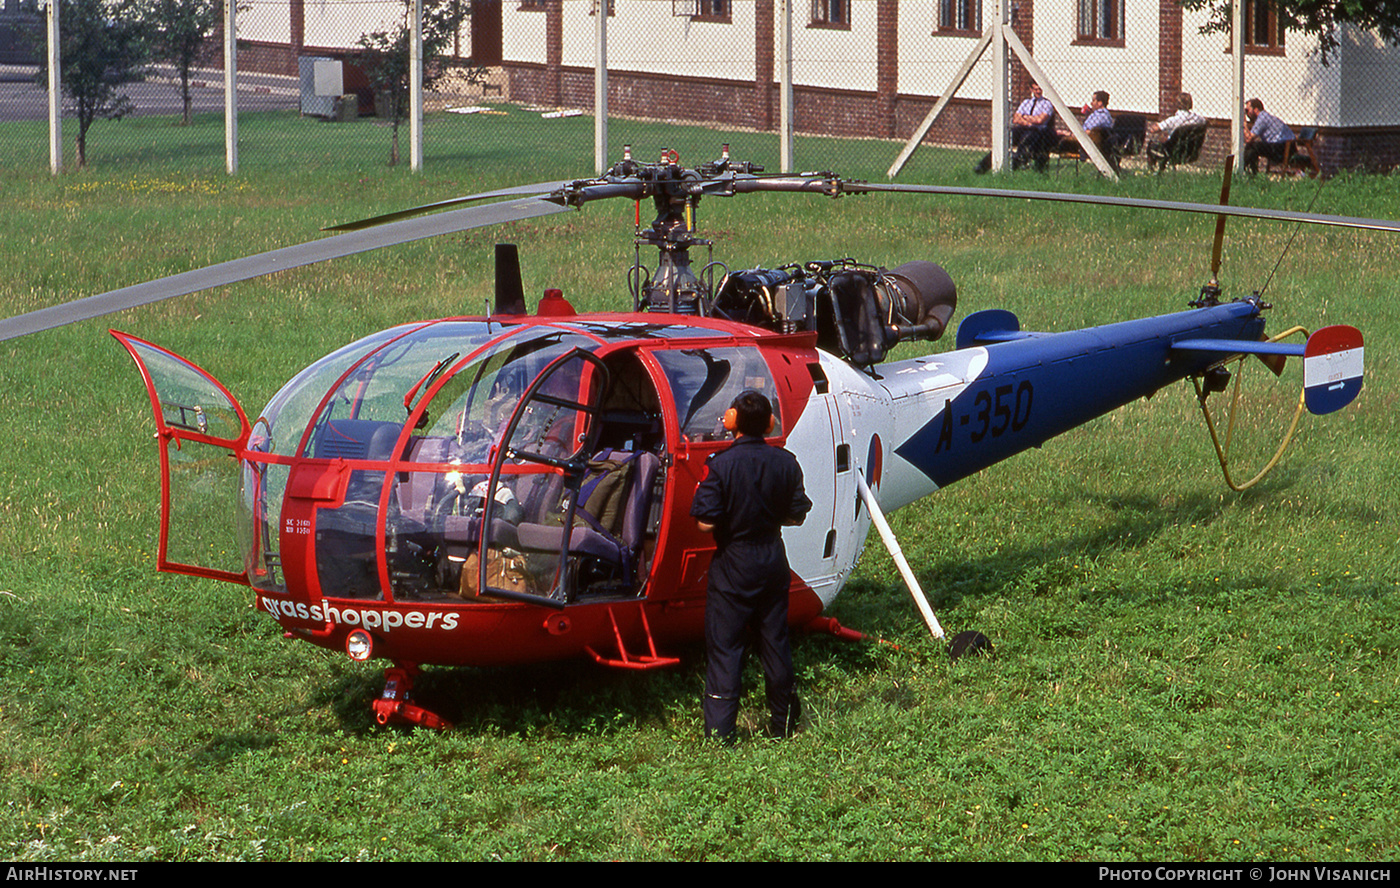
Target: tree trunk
[(81, 144)]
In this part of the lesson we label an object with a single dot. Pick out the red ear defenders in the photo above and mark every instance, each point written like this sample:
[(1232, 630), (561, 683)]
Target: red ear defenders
[(731, 421)]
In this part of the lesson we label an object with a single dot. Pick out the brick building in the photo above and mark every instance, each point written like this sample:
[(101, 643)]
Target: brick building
[(875, 67)]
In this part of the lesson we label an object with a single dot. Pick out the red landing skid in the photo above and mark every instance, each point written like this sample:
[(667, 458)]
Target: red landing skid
[(393, 707)]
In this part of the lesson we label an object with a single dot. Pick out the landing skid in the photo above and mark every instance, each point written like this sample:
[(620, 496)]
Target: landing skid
[(393, 706)]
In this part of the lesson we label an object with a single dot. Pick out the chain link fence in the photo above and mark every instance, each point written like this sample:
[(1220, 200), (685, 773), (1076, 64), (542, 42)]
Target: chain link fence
[(518, 76)]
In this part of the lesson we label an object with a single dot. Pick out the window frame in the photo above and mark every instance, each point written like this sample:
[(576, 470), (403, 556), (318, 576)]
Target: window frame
[(1272, 24), (705, 11), (956, 9), (832, 15), (1090, 32)]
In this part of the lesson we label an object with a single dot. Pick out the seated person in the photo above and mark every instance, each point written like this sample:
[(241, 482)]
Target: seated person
[(1164, 128), (1098, 126), (1032, 133), (1266, 135), (1096, 116), (1169, 132)]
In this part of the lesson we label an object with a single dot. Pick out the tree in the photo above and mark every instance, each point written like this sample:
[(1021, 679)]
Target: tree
[(384, 56), (1319, 17), (180, 32), (102, 47)]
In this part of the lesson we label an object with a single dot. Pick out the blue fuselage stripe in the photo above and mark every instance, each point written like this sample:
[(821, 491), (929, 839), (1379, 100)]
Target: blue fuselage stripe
[(1035, 388)]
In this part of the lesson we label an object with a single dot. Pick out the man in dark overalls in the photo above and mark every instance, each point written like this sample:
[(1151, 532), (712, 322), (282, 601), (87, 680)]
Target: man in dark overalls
[(751, 490)]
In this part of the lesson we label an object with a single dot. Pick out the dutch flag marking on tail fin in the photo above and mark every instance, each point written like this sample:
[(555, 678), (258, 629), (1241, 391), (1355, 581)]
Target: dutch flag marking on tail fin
[(1332, 368)]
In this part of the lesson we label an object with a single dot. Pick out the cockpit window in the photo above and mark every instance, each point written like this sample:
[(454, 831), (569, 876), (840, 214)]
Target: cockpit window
[(705, 382), (286, 416), (472, 408), (382, 387)]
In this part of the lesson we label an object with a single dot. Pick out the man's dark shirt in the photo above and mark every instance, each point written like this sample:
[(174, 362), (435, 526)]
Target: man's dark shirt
[(752, 490)]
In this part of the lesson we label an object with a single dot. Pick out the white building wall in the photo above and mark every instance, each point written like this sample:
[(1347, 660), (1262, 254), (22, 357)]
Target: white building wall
[(1368, 78), (1356, 89), (1129, 72), (834, 58), (522, 35), (341, 23), (269, 22), (928, 61), (646, 36), (331, 24), (1294, 86)]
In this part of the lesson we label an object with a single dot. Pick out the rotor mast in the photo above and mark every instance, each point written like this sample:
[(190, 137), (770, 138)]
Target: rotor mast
[(675, 288)]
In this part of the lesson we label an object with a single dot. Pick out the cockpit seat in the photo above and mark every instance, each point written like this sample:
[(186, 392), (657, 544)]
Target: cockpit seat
[(610, 521), (623, 507), (420, 491), (356, 439), (346, 552)]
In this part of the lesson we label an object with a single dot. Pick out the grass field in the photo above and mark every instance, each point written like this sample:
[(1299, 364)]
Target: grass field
[(1182, 672)]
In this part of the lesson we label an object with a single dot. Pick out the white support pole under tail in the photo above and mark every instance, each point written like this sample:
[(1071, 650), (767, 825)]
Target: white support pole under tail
[(898, 555)]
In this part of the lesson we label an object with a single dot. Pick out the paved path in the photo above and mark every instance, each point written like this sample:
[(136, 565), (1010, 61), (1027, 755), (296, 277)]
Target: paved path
[(21, 98)]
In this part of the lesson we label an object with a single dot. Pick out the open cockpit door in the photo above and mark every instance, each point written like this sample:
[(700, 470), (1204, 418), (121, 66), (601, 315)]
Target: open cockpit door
[(540, 467), (201, 430)]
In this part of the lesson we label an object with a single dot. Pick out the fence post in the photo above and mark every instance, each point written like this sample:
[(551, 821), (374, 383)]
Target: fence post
[(1001, 89), (600, 87), (231, 86), (785, 112), (55, 93), (415, 89), (1237, 85)]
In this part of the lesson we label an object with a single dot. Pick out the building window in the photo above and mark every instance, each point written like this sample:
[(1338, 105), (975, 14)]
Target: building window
[(1100, 22), (1263, 32), (959, 16), (703, 10), (532, 5), (831, 14)]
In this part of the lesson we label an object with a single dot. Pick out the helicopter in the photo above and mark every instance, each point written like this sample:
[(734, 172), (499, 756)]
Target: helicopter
[(515, 487)]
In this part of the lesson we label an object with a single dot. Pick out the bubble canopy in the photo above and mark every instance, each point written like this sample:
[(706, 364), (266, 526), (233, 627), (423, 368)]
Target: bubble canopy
[(461, 459), (392, 439), (462, 462)]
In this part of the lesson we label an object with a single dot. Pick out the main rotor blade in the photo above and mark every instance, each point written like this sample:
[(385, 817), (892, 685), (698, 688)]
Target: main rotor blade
[(387, 235), (825, 186), (539, 189)]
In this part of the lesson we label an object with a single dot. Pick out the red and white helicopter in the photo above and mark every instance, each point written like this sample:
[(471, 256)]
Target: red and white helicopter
[(516, 488)]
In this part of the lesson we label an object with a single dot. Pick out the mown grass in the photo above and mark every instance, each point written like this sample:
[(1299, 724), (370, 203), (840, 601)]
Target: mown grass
[(1182, 672)]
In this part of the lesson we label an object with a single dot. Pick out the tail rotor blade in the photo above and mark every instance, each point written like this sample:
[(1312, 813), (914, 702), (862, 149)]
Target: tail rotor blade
[(1220, 220)]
